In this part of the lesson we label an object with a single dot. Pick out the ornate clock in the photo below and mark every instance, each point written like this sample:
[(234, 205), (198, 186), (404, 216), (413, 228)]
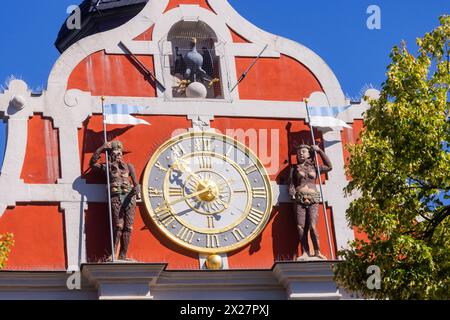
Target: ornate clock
[(207, 192)]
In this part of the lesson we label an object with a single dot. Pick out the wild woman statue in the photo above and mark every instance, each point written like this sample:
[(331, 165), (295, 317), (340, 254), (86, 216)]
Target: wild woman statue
[(306, 196)]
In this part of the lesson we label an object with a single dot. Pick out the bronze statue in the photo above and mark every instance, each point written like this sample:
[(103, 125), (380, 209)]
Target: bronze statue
[(303, 190), (123, 194)]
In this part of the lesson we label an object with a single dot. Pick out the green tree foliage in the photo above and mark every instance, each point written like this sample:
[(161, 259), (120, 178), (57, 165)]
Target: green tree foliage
[(6, 242), (401, 172)]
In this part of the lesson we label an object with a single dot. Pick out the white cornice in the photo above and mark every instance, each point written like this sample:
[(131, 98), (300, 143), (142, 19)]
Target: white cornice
[(286, 280)]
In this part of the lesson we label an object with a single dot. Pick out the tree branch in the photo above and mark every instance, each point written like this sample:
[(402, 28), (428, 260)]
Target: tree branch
[(435, 221)]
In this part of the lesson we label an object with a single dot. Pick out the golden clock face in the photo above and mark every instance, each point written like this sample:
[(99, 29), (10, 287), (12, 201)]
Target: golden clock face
[(207, 192)]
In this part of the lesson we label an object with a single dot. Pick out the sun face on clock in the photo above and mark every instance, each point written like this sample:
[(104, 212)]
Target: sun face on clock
[(207, 192)]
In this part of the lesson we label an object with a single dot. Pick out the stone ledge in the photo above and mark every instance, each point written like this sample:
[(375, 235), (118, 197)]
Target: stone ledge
[(141, 281), (310, 280)]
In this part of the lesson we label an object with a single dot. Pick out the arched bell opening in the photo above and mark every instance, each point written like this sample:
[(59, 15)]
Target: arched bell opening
[(194, 60)]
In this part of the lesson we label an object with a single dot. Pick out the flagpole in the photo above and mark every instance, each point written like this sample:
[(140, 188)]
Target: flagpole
[(320, 182), (113, 253)]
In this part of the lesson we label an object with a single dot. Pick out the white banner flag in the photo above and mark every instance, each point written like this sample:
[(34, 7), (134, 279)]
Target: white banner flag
[(121, 114)]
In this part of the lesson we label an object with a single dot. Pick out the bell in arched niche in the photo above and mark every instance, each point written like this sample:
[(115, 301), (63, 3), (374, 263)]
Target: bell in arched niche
[(194, 63)]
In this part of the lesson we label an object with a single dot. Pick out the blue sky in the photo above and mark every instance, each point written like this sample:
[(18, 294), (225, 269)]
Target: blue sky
[(335, 29)]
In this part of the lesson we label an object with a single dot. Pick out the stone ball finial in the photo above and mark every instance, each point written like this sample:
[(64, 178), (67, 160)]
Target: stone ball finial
[(372, 94), (196, 90), (17, 85)]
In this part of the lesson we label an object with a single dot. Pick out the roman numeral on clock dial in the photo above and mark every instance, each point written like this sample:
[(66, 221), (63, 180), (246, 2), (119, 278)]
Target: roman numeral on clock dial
[(259, 193), (160, 167), (167, 221), (205, 162), (255, 216), (237, 233), (154, 193), (186, 234), (212, 241), (210, 222), (175, 192), (163, 211), (250, 169), (203, 145), (178, 150)]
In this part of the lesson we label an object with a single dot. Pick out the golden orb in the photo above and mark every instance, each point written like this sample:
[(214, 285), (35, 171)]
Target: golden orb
[(214, 262), (211, 191)]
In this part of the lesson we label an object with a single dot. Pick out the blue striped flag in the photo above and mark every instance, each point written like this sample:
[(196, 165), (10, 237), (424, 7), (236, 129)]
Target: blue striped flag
[(121, 114), (326, 116)]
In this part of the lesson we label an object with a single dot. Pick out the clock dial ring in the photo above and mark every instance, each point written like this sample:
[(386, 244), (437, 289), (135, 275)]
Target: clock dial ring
[(211, 241), (244, 212)]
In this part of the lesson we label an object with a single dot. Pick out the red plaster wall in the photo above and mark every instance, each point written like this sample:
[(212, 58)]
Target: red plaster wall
[(283, 79), (41, 164), (112, 75), (175, 3), (349, 137), (39, 237), (147, 35)]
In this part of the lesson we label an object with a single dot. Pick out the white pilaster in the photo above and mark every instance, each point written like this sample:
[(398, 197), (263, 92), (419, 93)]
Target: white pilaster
[(69, 154), (334, 193), (74, 214)]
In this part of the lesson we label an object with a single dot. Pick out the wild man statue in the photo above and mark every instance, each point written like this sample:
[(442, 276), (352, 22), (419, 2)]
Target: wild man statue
[(123, 194)]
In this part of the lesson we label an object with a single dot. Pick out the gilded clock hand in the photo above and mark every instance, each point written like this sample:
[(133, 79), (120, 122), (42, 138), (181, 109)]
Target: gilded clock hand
[(225, 205), (181, 166), (218, 191), (192, 195)]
